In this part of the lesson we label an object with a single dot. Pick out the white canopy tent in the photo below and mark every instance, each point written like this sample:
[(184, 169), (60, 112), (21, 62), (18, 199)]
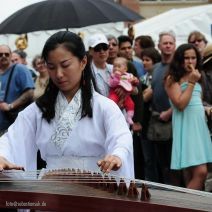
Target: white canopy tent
[(180, 21)]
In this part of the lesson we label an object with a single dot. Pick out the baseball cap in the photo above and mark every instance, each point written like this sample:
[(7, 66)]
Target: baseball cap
[(97, 39), (207, 53)]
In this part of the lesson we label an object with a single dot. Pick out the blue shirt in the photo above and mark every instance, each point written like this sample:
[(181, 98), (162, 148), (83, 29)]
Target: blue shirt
[(160, 100), (20, 82), (139, 68)]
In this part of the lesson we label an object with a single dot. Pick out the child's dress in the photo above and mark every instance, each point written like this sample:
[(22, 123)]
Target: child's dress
[(191, 140), (125, 81)]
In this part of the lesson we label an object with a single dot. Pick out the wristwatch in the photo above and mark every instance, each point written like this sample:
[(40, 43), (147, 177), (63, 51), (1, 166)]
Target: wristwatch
[(10, 106)]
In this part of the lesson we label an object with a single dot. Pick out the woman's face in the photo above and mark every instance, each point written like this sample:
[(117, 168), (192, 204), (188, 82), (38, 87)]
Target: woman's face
[(148, 63), (113, 48), (65, 70), (40, 65), (198, 42), (16, 58), (190, 58)]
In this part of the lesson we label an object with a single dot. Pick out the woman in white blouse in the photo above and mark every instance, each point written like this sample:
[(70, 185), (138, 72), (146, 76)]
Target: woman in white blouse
[(71, 124)]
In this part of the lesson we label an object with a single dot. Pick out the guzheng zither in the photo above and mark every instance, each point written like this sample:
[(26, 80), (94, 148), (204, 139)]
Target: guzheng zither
[(76, 190)]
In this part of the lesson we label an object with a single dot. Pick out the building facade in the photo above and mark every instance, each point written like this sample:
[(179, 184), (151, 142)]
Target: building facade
[(150, 8)]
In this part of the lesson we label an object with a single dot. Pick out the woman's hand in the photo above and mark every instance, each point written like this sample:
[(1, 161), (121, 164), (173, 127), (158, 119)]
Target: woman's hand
[(6, 165), (194, 75), (110, 162), (208, 111)]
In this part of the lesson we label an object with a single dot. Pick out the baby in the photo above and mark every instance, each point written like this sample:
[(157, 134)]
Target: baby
[(120, 78)]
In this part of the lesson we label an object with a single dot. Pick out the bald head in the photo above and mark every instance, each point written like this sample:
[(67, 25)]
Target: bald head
[(5, 57), (4, 46)]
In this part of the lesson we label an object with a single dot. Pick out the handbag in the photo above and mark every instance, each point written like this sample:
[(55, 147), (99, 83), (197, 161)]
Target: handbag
[(12, 114), (159, 130)]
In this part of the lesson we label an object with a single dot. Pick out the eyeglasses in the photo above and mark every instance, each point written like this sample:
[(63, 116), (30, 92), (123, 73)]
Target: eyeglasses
[(5, 54), (198, 40), (100, 47)]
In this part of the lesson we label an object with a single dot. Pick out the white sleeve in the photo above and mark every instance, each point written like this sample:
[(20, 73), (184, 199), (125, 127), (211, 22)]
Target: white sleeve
[(18, 144), (119, 139)]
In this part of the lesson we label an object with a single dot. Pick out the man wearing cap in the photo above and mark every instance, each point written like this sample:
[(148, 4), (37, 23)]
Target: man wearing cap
[(99, 51)]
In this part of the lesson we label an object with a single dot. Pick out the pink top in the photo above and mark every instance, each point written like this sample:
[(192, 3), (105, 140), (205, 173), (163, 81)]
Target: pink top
[(126, 81)]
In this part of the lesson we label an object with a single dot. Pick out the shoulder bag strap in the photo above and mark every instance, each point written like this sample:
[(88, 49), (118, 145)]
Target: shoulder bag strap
[(8, 82)]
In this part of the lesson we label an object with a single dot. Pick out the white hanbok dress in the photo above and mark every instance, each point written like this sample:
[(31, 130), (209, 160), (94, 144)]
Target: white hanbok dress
[(88, 139)]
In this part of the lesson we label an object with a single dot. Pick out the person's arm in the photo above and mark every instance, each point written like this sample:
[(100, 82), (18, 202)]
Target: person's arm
[(17, 146), (134, 82), (134, 90), (179, 98), (166, 115), (147, 94), (118, 143), (27, 96), (23, 80), (6, 165), (114, 80)]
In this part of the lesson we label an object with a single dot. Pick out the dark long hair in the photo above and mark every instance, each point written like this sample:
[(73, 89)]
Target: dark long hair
[(176, 70), (74, 44)]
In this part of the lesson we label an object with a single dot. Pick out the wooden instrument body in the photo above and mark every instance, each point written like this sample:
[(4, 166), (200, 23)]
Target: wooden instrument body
[(66, 196)]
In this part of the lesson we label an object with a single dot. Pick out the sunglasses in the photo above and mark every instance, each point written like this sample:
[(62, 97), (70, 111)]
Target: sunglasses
[(100, 47), (198, 40), (5, 54)]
